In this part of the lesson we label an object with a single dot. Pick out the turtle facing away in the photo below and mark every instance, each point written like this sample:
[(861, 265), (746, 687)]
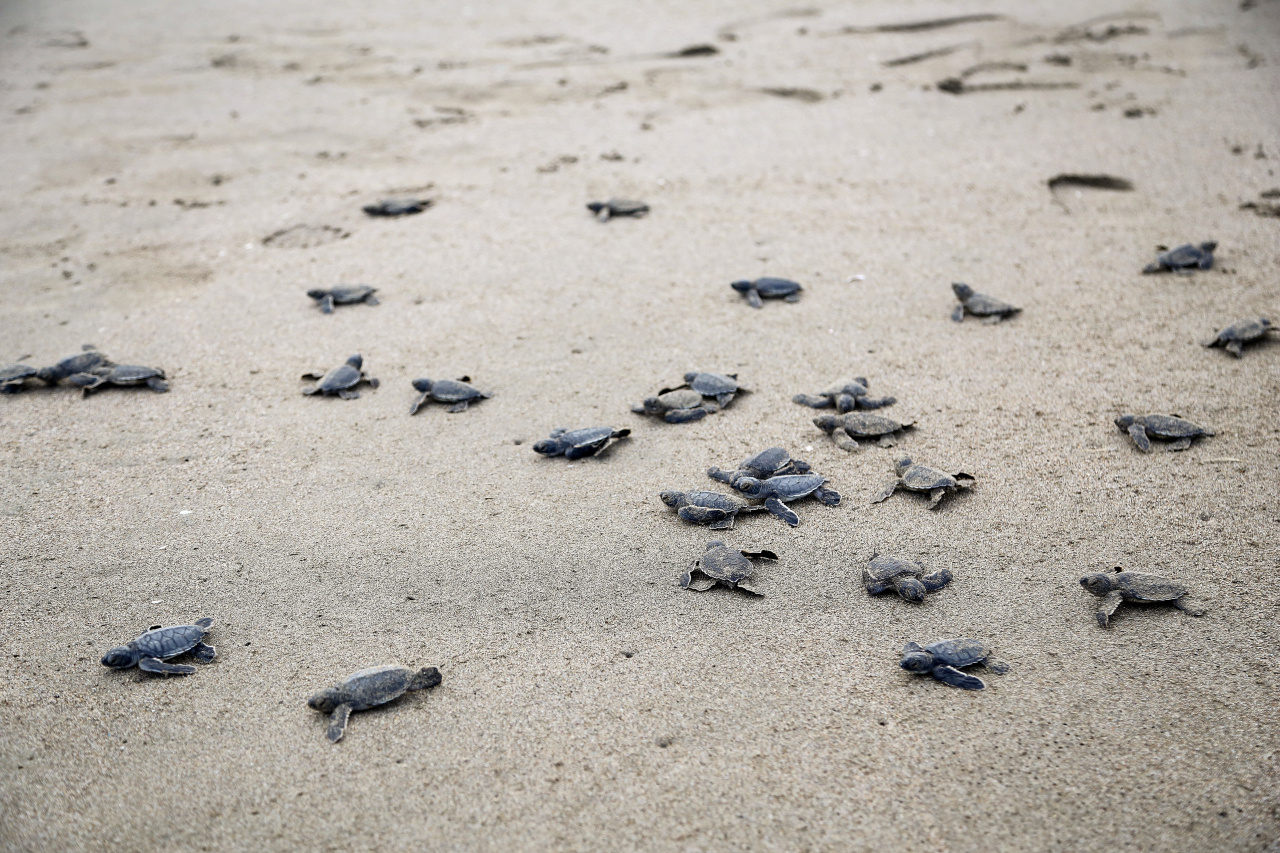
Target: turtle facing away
[(367, 689), (945, 658), (768, 288), (1119, 586), (397, 207), (979, 305), (13, 377), (903, 575), (1183, 259), (82, 362), (845, 395), (342, 380), (457, 393), (847, 428), (605, 210), (577, 443), (722, 565), (1171, 428), (922, 478), (713, 509), (120, 374), (149, 651), (771, 462), (679, 406), (777, 492), (345, 294), (1234, 337)]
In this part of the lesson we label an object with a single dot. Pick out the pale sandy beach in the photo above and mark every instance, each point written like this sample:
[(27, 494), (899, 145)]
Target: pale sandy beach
[(588, 702)]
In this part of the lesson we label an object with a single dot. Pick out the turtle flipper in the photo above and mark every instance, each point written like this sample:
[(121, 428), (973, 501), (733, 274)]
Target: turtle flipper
[(417, 404), (700, 584), (1110, 602), (426, 677), (159, 667), (954, 677), (705, 515), (338, 722), (999, 667), (326, 304), (372, 380), (830, 497), (1181, 444), (603, 214), (937, 580), (877, 587), (204, 653), (844, 441), (1187, 607), (992, 319), (752, 555), (684, 416), (813, 401), (911, 647), (1138, 433), (753, 298), (957, 314), (782, 511), (876, 402), (460, 406), (883, 494), (748, 587), (935, 497), (348, 394), (371, 300), (791, 297), (724, 399), (721, 476), (155, 383)]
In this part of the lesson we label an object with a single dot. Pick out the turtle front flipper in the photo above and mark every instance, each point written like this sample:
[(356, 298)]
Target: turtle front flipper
[(417, 404), (753, 298), (957, 314), (753, 555), (684, 416), (696, 581), (1110, 602), (338, 722), (155, 383), (844, 441), (159, 667), (748, 586), (426, 677), (813, 401), (830, 497), (780, 510), (705, 515), (204, 653), (935, 497), (1138, 433), (954, 677), (326, 304), (460, 406), (1187, 607), (937, 580), (883, 494), (725, 399)]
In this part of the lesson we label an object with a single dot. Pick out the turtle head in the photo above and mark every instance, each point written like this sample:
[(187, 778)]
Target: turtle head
[(690, 376), (121, 657), (652, 406), (1209, 246), (1125, 421), (326, 700), (827, 423), (743, 286), (749, 486), (423, 385), (672, 499), (547, 447), (962, 290), (911, 589), (902, 465), (1098, 584), (356, 361), (918, 661), (596, 206), (317, 293)]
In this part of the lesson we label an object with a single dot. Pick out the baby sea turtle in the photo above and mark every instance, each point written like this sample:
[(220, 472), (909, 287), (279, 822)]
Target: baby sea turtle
[(676, 407), (845, 429), (604, 210), (720, 564), (721, 387), (1143, 428), (1234, 337), (771, 462), (82, 362), (344, 294), (1183, 259), (577, 443), (456, 392), (777, 492), (944, 659), (713, 509), (846, 395), (906, 576), (979, 305), (341, 380), (1119, 586), (397, 207), (150, 650), (768, 288), (120, 374), (13, 377), (367, 689), (922, 478)]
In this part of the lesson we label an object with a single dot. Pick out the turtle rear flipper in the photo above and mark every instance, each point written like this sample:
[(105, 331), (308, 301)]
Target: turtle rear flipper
[(155, 383), (1188, 607), (1236, 348), (159, 667), (705, 515), (999, 667), (992, 319), (830, 497), (791, 297), (780, 510), (937, 580), (886, 492), (348, 394), (957, 314), (338, 722), (954, 677), (1181, 444), (371, 300), (1138, 433), (684, 416), (424, 678), (204, 653), (748, 586), (724, 399), (460, 406), (1110, 602)]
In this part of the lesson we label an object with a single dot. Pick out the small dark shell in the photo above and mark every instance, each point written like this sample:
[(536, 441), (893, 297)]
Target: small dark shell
[(341, 377), (129, 373), (1168, 426), (726, 564), (397, 207), (867, 425), (959, 652), (376, 685), (171, 641), (1142, 587), (16, 372), (711, 384), (922, 478), (884, 567)]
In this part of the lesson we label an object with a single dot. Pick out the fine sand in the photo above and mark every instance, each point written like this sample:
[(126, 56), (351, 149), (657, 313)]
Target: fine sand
[(588, 702)]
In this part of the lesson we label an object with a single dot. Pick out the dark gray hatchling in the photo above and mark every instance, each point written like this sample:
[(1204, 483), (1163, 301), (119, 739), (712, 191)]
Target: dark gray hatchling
[(990, 309), (397, 207), (342, 380), (1183, 259), (845, 395), (716, 511), (1234, 337), (768, 288), (1170, 428), (771, 462), (457, 393), (721, 565), (777, 492), (677, 407), (903, 575), (346, 294), (13, 377), (922, 478), (85, 361), (945, 658), (720, 387), (606, 210), (367, 689), (150, 651), (1118, 586), (845, 430), (578, 443), (123, 375)]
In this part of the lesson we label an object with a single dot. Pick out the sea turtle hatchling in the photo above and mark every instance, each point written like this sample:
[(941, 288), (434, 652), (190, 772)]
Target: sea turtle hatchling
[(13, 377), (342, 380), (990, 309), (846, 429), (722, 565), (457, 393), (1183, 259), (845, 395), (397, 207), (577, 443), (123, 375), (922, 478), (770, 462), (777, 492), (343, 294), (605, 210), (768, 288), (903, 575), (1119, 586), (367, 689), (149, 651), (945, 658), (721, 387), (1234, 337), (84, 361), (715, 510), (678, 406), (1171, 428)]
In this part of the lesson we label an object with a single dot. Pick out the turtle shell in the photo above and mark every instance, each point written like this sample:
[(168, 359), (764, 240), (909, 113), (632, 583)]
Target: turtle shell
[(787, 487), (16, 372), (776, 286), (922, 478), (376, 685), (1184, 256), (128, 374), (983, 305), (725, 564), (767, 463), (452, 391), (83, 362), (958, 652), (1245, 330), (852, 387), (884, 567), (586, 437), (1136, 586), (171, 641), (1169, 426), (348, 293), (685, 398), (341, 377), (626, 207), (713, 500), (711, 384), (868, 425)]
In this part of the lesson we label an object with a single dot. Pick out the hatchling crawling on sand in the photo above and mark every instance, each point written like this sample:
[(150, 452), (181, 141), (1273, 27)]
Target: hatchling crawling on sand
[(123, 375), (346, 294), (720, 387), (1171, 428), (903, 575), (846, 429), (13, 377), (768, 288), (397, 207), (945, 658), (82, 362), (922, 478), (713, 509), (1118, 586), (845, 395), (149, 651), (606, 210), (342, 380), (1234, 337), (777, 492), (990, 309), (1183, 259), (457, 393), (722, 565), (677, 407), (577, 443), (771, 462), (367, 689)]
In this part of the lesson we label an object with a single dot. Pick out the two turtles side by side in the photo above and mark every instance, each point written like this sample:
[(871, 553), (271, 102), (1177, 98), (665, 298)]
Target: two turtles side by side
[(768, 288), (1184, 259), (724, 566), (770, 462), (903, 575), (1234, 337), (122, 375), (990, 309), (606, 210), (1118, 586), (367, 689), (577, 443), (846, 429), (945, 658), (85, 361), (717, 511), (150, 650), (342, 380), (346, 294), (921, 478), (459, 394), (845, 395), (1170, 428), (777, 492)]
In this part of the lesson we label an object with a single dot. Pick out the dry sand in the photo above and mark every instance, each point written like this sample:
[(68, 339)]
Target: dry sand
[(326, 535)]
